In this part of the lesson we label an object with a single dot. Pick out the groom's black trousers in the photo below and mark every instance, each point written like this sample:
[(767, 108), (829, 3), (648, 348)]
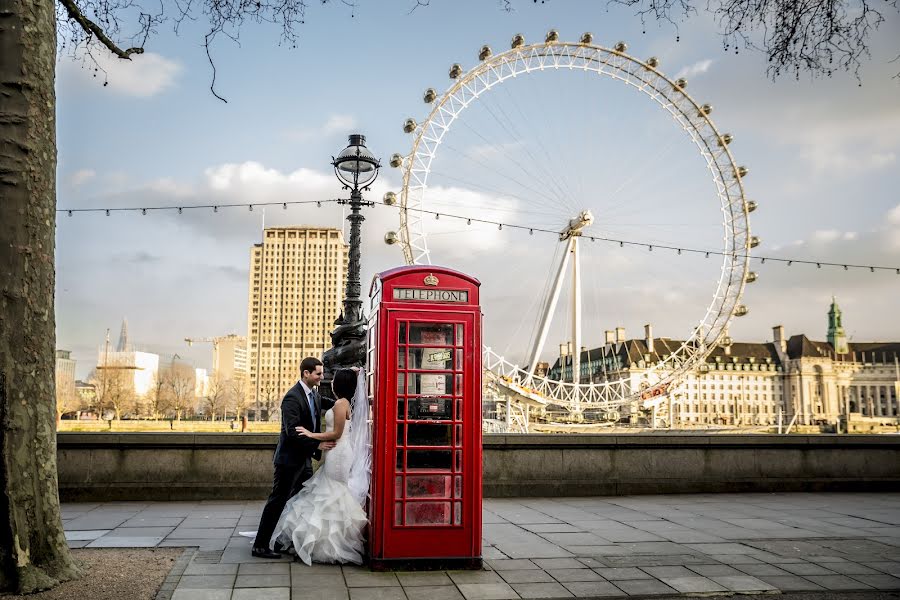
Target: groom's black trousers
[(287, 482)]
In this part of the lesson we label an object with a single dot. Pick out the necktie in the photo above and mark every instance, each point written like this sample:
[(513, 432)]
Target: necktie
[(312, 410)]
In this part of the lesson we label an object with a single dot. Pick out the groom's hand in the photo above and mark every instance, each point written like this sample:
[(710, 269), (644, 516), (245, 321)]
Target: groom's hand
[(327, 445)]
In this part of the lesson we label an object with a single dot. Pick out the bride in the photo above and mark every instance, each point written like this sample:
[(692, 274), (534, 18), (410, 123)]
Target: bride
[(325, 521)]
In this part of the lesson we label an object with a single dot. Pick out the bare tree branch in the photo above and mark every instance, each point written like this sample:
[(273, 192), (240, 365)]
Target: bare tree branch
[(212, 84), (815, 36), (92, 29)]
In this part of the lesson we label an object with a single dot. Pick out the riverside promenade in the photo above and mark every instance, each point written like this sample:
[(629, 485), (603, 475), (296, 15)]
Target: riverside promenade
[(839, 545)]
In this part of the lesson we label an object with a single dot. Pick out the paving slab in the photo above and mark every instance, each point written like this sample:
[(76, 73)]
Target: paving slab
[(526, 576), (791, 583), (715, 570), (541, 590), (207, 582), (86, 534), (838, 582), (262, 581), (420, 579), (622, 573), (486, 591), (270, 593), (743, 583), (693, 585), (879, 582), (805, 569), (569, 575), (370, 580), (511, 564), (321, 593), (204, 569), (433, 592), (644, 587), (183, 594), (122, 541), (592, 589)]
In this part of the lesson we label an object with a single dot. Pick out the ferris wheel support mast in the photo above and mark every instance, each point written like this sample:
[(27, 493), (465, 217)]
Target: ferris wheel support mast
[(571, 234), (549, 308)]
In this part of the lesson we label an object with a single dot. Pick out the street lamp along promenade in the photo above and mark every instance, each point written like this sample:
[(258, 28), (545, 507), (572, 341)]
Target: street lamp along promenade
[(356, 168)]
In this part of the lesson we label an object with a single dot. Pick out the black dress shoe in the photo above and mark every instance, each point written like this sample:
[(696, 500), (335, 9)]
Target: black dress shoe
[(264, 553), (281, 549)]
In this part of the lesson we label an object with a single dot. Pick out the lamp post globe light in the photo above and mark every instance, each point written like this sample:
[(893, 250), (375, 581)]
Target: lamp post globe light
[(356, 168)]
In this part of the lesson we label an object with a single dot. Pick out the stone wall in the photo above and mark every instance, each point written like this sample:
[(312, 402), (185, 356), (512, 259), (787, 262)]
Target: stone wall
[(185, 466)]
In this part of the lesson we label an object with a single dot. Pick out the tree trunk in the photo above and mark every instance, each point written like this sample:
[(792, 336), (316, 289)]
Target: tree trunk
[(33, 550)]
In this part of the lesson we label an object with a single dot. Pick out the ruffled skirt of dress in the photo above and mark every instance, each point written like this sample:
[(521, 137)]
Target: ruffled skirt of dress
[(323, 522)]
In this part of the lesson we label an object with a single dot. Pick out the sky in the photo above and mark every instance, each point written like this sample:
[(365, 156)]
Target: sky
[(822, 154)]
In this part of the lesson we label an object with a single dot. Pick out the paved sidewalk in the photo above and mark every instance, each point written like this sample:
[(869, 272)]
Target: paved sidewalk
[(546, 548)]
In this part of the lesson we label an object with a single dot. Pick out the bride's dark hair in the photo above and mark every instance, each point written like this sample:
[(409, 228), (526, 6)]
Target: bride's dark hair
[(344, 384)]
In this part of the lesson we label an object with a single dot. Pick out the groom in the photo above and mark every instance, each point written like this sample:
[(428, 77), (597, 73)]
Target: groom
[(302, 405)]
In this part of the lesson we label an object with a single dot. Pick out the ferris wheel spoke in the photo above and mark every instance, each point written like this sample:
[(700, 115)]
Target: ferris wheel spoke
[(512, 179), (555, 195), (545, 165)]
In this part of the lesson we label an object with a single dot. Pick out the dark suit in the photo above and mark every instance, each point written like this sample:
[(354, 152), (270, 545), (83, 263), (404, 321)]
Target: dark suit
[(293, 457)]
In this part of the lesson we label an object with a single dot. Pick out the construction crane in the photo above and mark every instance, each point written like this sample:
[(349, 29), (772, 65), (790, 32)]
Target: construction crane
[(212, 340)]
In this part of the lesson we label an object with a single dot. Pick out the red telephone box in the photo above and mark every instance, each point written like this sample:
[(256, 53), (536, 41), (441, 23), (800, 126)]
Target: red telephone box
[(425, 384)]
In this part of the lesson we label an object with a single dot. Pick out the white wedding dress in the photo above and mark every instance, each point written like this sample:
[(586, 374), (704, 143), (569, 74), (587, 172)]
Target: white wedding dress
[(324, 522)]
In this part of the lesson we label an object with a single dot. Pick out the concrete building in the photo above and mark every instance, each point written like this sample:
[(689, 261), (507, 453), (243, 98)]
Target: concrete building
[(141, 367), (836, 383), (65, 378), (297, 280), (230, 356)]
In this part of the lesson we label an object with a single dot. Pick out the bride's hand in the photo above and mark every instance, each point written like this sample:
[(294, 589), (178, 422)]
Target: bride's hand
[(302, 430)]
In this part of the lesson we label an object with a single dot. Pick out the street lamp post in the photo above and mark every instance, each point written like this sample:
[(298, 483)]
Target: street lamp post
[(356, 168)]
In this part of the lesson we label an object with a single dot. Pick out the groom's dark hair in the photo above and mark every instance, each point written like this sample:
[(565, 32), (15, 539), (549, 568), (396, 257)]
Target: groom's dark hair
[(309, 364)]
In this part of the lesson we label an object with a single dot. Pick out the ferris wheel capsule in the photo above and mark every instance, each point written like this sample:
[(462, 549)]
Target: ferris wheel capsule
[(741, 172), (705, 110), (517, 40), (621, 47), (484, 53), (751, 206), (552, 36), (587, 37), (430, 96), (396, 161), (455, 71), (751, 277), (740, 310), (409, 125), (390, 238), (390, 198), (754, 241), (725, 139), (653, 62), (681, 83)]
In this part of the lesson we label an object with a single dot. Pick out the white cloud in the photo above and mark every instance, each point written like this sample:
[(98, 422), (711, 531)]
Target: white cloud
[(82, 176), (893, 215), (698, 68), (334, 124), (143, 76), (338, 124)]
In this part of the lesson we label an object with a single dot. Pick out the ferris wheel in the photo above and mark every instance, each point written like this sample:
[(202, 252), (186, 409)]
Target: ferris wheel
[(467, 89)]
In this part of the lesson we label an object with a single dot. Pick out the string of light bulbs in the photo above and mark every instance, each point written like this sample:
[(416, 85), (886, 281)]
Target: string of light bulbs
[(215, 207), (650, 247), (500, 226)]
